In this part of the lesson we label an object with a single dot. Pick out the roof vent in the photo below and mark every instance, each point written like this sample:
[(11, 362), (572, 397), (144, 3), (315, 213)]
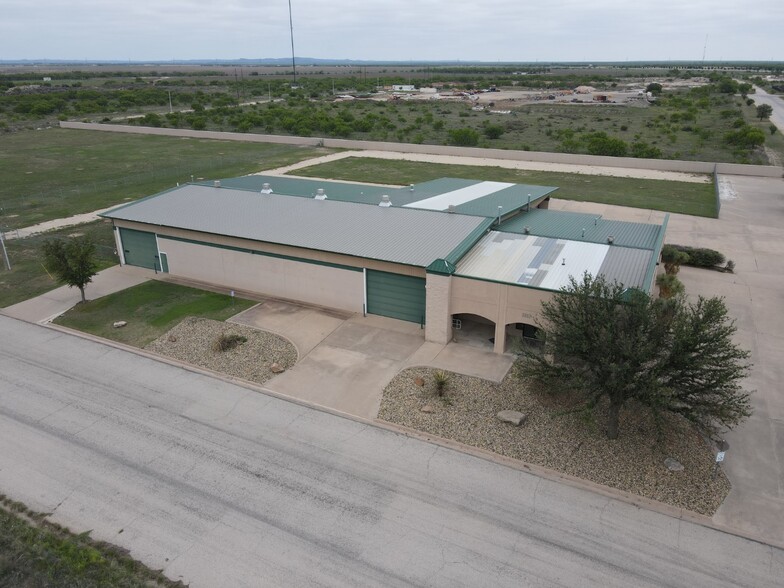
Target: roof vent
[(216, 183), (526, 229), (611, 239), (385, 203), (411, 187), (583, 233), (450, 208), (320, 194), (266, 188)]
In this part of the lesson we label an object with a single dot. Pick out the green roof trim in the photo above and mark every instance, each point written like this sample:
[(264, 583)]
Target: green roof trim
[(466, 244), (441, 267), (650, 275)]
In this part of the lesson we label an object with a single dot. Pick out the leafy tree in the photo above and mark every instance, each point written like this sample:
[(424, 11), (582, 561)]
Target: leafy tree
[(654, 88), (617, 345), (464, 137), (72, 261), (764, 111), (602, 144), (746, 137)]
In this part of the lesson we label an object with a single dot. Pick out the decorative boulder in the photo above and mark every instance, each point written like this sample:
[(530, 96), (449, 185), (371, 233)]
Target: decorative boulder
[(427, 408), (419, 381), (119, 324), (172, 339), (276, 368), (673, 464), (512, 417)]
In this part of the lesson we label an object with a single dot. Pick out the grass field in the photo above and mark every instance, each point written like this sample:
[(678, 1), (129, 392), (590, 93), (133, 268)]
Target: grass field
[(36, 553), (697, 199), (150, 309), (55, 173), (28, 277)]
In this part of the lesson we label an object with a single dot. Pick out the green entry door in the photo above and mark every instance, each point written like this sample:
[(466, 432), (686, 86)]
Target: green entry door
[(140, 249), (396, 296)]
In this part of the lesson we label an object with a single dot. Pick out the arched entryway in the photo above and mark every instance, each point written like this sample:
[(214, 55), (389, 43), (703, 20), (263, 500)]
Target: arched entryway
[(474, 330)]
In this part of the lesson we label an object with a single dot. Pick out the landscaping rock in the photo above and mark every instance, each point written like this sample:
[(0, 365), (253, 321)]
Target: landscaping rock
[(419, 381), (276, 368), (673, 464), (119, 324), (511, 416), (172, 339), (427, 408)]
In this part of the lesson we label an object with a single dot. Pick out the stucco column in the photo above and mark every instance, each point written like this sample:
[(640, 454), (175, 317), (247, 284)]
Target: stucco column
[(500, 321), (438, 319)]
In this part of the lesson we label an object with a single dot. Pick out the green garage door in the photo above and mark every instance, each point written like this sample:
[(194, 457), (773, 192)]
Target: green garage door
[(140, 248), (396, 296)]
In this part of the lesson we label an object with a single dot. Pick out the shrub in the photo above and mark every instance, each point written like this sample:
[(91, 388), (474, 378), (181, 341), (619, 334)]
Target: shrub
[(699, 257), (669, 286), (441, 379), (228, 342), (464, 137), (494, 131)]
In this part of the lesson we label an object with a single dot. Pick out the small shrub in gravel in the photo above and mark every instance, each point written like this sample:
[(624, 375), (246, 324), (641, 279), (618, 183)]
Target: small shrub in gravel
[(228, 342), (441, 379)]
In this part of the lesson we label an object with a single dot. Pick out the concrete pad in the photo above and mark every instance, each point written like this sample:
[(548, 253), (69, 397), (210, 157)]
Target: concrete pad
[(304, 326), (49, 306), (471, 361), (375, 342)]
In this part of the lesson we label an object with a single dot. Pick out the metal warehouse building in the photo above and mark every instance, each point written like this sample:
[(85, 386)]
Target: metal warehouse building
[(443, 254)]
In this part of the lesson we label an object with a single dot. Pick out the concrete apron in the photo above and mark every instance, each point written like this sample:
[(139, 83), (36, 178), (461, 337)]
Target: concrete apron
[(346, 361)]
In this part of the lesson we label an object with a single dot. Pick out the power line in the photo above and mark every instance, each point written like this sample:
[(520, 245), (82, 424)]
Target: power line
[(291, 28)]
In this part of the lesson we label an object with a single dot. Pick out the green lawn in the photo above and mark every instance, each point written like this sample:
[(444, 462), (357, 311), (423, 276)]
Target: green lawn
[(150, 309), (28, 277), (55, 173), (36, 553), (681, 197)]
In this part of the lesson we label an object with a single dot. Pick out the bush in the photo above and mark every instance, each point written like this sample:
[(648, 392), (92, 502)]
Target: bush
[(464, 137), (700, 257), (441, 379), (228, 342), (494, 131)]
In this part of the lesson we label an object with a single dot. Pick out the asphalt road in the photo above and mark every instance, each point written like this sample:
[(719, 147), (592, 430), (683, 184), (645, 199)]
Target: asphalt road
[(760, 96), (223, 486)]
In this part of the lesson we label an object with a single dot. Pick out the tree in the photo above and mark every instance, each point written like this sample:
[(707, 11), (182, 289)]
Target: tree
[(764, 111), (672, 259), (746, 137), (612, 344), (654, 88), (72, 261), (669, 285)]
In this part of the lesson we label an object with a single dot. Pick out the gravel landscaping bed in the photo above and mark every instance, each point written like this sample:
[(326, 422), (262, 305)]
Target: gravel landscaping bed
[(192, 341), (569, 442)]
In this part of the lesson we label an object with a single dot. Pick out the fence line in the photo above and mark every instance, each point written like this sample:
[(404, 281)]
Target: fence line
[(699, 167)]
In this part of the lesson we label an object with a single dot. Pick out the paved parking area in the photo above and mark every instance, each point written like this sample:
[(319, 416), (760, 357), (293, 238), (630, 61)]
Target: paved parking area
[(750, 231), (346, 360)]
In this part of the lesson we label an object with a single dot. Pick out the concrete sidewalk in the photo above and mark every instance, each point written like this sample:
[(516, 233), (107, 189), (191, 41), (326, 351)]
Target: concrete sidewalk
[(47, 307)]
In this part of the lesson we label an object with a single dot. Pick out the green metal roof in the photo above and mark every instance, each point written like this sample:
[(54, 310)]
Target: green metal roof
[(510, 199), (570, 225)]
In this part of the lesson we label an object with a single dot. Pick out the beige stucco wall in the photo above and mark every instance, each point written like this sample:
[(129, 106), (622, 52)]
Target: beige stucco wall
[(438, 323), (312, 254), (503, 304), (281, 278)]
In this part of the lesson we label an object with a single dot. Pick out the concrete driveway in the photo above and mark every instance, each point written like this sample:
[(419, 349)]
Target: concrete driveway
[(750, 231), (346, 360)]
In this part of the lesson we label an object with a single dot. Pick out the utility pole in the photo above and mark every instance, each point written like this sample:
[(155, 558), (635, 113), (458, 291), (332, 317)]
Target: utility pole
[(170, 103), (291, 28), (5, 253)]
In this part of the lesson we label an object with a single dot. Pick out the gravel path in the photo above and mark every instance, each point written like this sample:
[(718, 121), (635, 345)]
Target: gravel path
[(192, 341), (571, 443)]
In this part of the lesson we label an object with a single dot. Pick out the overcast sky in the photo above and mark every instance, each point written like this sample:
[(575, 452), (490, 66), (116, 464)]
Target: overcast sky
[(470, 30)]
